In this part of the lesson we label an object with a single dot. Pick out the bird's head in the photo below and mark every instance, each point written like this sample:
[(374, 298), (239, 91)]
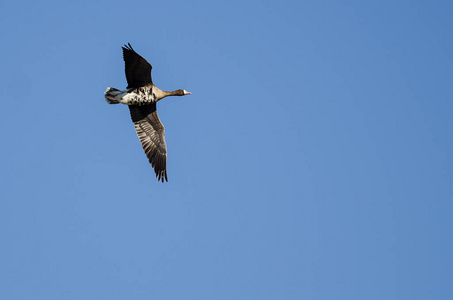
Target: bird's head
[(184, 92), (180, 92)]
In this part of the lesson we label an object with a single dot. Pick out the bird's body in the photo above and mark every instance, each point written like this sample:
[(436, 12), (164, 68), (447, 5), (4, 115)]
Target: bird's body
[(133, 96), (141, 95)]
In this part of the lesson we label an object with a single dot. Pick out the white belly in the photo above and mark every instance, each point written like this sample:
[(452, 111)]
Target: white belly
[(138, 96)]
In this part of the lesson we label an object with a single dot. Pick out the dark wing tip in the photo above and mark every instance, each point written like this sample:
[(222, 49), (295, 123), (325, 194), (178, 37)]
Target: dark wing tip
[(128, 47), (161, 175)]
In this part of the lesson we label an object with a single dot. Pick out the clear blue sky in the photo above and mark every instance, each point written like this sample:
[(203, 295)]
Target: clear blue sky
[(313, 159)]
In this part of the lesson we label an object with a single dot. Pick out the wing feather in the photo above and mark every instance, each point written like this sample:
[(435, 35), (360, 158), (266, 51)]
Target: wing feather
[(138, 69), (151, 134)]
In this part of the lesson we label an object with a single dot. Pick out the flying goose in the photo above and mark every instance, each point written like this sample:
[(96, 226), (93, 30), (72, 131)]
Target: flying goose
[(141, 95)]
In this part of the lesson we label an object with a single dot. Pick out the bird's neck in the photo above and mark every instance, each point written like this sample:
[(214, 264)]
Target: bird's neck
[(160, 94)]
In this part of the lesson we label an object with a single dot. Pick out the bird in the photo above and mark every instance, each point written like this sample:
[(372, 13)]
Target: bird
[(141, 96)]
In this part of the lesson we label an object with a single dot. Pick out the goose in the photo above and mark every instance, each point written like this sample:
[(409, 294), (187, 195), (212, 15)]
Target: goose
[(141, 96)]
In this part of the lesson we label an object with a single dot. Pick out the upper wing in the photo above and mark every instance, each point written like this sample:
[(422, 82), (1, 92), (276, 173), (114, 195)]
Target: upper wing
[(138, 70), (151, 134)]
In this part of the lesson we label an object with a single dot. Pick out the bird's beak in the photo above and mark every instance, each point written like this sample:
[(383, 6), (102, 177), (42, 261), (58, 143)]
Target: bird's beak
[(187, 93)]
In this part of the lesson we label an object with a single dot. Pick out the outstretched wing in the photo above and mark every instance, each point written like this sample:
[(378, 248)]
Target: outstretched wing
[(138, 70), (151, 134)]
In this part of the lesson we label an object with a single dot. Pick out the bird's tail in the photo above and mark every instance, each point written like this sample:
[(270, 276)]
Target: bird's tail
[(111, 95)]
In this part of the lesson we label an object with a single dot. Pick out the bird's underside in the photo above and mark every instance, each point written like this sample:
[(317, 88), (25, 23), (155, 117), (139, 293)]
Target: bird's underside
[(141, 97), (132, 96)]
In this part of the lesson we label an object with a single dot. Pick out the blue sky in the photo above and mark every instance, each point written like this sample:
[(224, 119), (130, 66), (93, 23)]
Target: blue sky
[(312, 160)]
